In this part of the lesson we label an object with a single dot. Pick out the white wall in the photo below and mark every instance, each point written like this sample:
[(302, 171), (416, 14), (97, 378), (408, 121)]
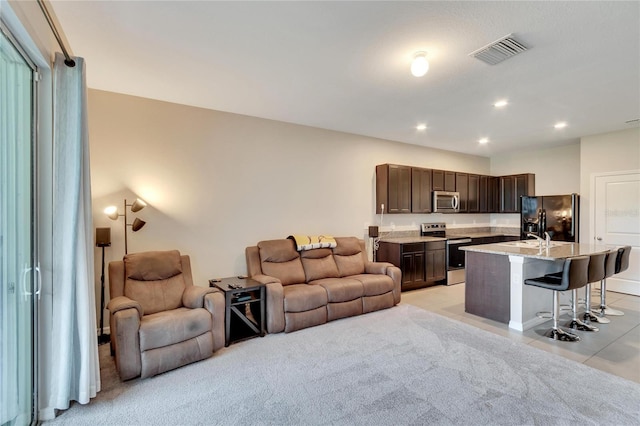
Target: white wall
[(218, 182), (557, 171), (608, 152)]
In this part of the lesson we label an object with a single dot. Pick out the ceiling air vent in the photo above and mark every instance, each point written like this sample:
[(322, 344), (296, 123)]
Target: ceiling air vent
[(499, 50)]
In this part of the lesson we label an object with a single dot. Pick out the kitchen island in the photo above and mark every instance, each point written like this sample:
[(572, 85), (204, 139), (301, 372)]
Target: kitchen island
[(495, 275)]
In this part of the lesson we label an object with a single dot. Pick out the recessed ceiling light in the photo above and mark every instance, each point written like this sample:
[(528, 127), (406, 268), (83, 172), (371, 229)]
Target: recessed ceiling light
[(560, 125), (421, 126), (420, 65), (500, 103), (483, 140)]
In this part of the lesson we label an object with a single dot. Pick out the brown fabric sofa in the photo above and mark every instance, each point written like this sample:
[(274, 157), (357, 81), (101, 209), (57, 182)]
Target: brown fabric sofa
[(159, 320), (312, 287)]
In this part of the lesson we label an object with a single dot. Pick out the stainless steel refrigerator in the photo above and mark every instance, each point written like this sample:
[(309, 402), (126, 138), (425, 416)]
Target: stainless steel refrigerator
[(556, 214)]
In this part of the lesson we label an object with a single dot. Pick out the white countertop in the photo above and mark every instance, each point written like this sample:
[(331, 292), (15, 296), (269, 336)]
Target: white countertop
[(529, 248)]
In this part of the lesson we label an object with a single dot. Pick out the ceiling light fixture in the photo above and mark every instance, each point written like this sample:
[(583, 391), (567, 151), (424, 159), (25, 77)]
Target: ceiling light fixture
[(483, 140), (500, 104), (560, 125), (420, 65), (421, 127)]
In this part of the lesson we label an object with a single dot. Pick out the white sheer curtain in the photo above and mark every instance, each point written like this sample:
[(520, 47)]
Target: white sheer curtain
[(74, 373)]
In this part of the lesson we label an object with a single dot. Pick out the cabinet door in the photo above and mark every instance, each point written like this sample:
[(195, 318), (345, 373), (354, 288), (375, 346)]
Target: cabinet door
[(495, 199), (420, 190), (473, 195), (483, 195), (413, 269), (524, 185), (449, 181), (393, 188), (507, 194), (462, 186), (439, 264), (437, 183)]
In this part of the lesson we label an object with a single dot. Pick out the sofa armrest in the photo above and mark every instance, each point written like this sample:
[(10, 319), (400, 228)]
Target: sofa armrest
[(275, 307), (123, 302), (265, 279), (396, 275), (126, 338), (193, 296), (377, 267), (214, 303)]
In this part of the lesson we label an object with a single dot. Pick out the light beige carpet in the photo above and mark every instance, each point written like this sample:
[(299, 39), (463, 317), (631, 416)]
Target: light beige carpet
[(402, 365)]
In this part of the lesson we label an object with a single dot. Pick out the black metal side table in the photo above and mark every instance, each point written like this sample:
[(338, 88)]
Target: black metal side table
[(240, 294)]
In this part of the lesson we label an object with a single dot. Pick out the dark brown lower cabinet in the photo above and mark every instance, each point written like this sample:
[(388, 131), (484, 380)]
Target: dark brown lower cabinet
[(422, 264)]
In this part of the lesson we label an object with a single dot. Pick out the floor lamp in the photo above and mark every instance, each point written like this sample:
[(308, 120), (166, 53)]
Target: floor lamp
[(136, 206), (103, 239)]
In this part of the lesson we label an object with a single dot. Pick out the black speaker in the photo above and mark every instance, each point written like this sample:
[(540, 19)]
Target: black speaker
[(103, 237), (373, 232)]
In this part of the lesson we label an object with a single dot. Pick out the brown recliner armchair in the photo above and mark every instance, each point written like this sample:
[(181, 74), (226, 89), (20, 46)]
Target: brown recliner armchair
[(159, 320)]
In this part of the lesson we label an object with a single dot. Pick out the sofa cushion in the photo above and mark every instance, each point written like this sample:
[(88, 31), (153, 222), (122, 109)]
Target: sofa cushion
[(374, 284), (280, 259), (341, 289), (303, 297), (318, 264), (348, 256), (174, 326)]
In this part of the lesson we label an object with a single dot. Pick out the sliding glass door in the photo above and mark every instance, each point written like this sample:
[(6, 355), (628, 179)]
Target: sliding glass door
[(18, 275)]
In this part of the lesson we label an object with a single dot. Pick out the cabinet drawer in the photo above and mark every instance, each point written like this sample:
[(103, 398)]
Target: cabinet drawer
[(412, 247), (436, 245)]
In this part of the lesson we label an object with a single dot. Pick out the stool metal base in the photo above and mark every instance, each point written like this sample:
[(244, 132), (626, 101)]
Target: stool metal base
[(576, 324), (560, 334), (588, 316), (604, 310)]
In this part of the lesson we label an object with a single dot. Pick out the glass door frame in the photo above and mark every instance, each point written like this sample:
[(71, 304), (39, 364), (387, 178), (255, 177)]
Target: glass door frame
[(33, 271)]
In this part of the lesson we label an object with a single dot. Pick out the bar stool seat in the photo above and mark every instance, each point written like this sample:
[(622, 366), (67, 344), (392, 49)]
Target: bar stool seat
[(575, 274)]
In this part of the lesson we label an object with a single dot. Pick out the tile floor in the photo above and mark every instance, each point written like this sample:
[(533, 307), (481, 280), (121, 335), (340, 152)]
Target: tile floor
[(614, 349)]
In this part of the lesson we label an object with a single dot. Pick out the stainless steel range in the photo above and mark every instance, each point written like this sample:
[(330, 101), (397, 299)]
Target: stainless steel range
[(455, 256)]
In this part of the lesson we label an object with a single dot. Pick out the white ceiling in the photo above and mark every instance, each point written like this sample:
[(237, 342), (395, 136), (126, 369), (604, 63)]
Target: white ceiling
[(345, 65)]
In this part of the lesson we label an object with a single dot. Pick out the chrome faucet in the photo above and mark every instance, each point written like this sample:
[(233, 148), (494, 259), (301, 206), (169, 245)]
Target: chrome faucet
[(546, 239), (540, 240)]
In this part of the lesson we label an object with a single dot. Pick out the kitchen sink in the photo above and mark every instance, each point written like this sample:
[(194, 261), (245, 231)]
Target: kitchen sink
[(534, 244)]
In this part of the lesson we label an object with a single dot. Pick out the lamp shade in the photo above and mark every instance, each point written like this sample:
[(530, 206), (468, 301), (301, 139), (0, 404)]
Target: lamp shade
[(111, 212), (138, 205), (138, 224)]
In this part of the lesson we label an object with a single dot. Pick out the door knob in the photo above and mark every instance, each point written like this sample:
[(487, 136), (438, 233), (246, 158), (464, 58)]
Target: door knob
[(599, 238)]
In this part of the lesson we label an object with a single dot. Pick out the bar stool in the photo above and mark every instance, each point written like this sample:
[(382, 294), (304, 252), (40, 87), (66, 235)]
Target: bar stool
[(615, 265), (596, 273), (575, 274), (597, 267)]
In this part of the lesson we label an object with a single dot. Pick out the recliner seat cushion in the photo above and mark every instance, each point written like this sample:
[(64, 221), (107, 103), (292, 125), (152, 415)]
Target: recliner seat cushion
[(304, 297), (280, 259), (341, 289), (171, 327), (318, 264), (374, 284)]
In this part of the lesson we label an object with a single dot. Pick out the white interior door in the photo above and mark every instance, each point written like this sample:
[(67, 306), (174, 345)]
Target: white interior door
[(617, 222)]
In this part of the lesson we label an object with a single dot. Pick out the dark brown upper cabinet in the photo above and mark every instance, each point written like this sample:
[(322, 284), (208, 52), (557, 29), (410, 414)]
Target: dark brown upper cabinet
[(393, 188), (462, 187), (444, 180), (420, 190), (473, 194), (512, 188)]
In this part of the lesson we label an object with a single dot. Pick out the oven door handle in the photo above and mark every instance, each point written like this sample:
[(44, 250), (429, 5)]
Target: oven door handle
[(462, 241)]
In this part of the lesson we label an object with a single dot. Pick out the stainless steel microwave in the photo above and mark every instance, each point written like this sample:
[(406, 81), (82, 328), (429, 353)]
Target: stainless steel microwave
[(446, 202)]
